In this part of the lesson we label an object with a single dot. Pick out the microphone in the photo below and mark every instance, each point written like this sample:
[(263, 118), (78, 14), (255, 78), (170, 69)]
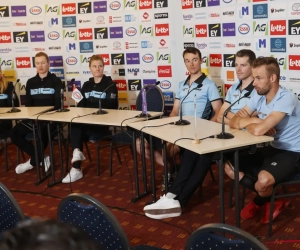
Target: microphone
[(223, 134), (144, 99), (100, 111), (199, 81), (13, 96)]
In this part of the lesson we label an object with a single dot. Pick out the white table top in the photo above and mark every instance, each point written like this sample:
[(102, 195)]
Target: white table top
[(205, 128), (113, 118), (26, 112)]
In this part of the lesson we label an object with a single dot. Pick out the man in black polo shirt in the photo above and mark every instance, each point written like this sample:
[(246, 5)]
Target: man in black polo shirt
[(41, 90)]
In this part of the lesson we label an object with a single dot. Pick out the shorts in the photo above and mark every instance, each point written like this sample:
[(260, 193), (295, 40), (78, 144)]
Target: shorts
[(281, 164)]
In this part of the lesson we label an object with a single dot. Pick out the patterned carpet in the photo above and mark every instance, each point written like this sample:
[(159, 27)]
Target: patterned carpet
[(117, 191)]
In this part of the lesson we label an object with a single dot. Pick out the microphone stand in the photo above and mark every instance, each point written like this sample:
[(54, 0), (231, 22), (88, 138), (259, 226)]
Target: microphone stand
[(62, 109), (181, 122), (223, 134), (100, 111), (13, 96)]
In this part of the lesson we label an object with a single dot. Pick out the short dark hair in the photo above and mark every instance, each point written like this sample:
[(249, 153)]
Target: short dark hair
[(271, 64), (192, 50), (47, 235), (247, 52)]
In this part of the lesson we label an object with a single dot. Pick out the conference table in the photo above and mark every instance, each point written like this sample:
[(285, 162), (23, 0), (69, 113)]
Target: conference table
[(180, 135), (113, 117), (27, 113)]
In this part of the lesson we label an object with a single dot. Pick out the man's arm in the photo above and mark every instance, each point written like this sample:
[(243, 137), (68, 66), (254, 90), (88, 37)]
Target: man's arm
[(267, 124), (221, 113), (176, 107), (216, 105), (242, 118)]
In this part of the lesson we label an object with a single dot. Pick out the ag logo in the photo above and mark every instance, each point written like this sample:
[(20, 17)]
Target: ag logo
[(161, 57)]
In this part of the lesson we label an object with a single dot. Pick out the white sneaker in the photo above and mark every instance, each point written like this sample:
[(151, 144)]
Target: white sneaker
[(77, 156), (73, 175), (164, 208), (47, 163), (23, 167)]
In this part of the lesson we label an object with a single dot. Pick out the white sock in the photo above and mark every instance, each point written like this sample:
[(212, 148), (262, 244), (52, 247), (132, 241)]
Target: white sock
[(170, 195)]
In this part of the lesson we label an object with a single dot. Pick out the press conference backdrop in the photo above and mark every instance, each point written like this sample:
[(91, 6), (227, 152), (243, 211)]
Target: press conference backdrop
[(142, 41)]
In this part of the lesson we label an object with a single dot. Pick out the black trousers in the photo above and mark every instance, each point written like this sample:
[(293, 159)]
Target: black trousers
[(192, 172), (18, 137), (80, 132)]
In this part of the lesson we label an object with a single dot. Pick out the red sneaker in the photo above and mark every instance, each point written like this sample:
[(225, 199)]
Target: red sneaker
[(250, 211), (279, 205)]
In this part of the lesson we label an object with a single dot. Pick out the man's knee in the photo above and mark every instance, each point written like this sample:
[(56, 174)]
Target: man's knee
[(265, 181)]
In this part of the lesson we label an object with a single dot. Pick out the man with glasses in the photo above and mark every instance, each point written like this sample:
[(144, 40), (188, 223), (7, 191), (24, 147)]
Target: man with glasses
[(208, 104)]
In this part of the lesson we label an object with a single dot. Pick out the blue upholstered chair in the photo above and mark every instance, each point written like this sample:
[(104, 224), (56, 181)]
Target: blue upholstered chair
[(10, 211), (216, 236), (155, 103), (95, 219)]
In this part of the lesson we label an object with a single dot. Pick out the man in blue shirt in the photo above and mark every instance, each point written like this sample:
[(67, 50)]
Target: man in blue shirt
[(194, 166), (208, 101), (278, 114)]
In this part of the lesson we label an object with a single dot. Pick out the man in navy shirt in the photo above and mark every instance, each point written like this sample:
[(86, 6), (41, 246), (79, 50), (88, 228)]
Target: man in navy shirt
[(278, 114), (41, 90)]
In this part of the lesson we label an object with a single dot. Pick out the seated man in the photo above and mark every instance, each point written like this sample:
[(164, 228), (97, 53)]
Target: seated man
[(278, 111), (208, 99), (192, 171), (44, 89)]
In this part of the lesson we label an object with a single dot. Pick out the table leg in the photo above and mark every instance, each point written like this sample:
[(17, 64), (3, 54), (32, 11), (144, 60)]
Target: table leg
[(144, 177), (45, 176), (165, 167), (221, 188), (237, 190), (152, 169)]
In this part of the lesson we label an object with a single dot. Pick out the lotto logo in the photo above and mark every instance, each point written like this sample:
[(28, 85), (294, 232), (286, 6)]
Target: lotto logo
[(186, 4), (162, 29), (294, 62), (68, 8), (215, 60), (201, 30), (105, 59), (23, 62), (278, 27), (5, 37), (121, 85), (145, 4), (85, 34)]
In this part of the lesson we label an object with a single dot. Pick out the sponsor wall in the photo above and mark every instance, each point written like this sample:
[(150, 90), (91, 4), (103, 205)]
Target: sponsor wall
[(219, 28), (142, 41)]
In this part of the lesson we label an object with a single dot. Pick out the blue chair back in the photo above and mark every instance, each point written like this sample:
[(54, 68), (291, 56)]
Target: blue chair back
[(155, 100), (94, 218), (10, 211), (215, 236)]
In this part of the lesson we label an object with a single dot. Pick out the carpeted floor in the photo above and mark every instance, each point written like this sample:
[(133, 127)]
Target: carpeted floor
[(116, 193)]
